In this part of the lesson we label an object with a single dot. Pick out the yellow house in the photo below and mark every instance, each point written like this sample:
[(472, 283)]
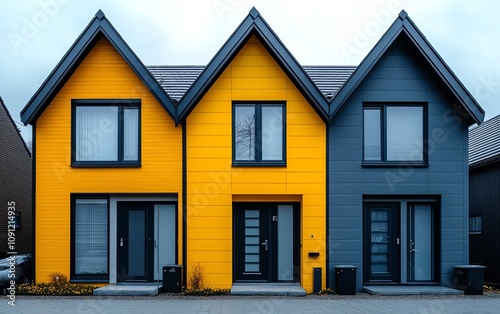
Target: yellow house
[(255, 149), (108, 165), (231, 178)]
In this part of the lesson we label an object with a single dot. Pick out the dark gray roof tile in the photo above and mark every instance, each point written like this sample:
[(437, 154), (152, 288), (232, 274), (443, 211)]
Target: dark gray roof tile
[(176, 79), (484, 142)]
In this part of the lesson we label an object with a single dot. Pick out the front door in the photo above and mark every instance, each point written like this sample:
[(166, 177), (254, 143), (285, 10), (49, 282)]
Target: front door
[(146, 240), (400, 242), (381, 242), (265, 243)]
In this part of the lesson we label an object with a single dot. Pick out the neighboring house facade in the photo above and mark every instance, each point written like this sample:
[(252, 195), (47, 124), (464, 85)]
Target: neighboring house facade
[(15, 187), (247, 166), (484, 201), (398, 170)]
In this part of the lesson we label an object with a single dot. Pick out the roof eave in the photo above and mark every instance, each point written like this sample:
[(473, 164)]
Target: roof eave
[(63, 70), (252, 24), (404, 24)]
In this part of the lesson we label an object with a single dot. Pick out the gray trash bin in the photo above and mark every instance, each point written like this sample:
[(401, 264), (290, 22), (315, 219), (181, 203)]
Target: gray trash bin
[(469, 278), (172, 279), (345, 279)]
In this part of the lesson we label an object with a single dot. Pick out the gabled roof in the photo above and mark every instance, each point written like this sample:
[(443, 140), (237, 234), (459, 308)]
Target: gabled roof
[(177, 79), (3, 107), (253, 24), (484, 143), (404, 25), (99, 26)]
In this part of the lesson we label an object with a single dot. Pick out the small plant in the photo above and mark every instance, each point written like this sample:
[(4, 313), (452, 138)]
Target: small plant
[(326, 291), (196, 277), (487, 288), (58, 279)]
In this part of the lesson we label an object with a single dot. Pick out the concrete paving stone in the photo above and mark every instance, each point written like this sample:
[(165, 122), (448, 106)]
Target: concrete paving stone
[(242, 305)]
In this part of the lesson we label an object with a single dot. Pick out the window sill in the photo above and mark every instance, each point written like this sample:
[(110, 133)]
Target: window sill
[(395, 164), (261, 164), (90, 279), (134, 164)]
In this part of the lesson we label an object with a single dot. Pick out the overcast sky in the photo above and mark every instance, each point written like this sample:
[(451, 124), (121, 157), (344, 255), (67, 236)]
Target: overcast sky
[(35, 34)]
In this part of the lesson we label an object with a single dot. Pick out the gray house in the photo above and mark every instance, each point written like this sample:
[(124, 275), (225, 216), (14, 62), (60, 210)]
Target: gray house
[(398, 167), (15, 185), (484, 213)]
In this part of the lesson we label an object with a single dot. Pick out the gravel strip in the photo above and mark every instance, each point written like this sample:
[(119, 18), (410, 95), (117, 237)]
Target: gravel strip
[(172, 296)]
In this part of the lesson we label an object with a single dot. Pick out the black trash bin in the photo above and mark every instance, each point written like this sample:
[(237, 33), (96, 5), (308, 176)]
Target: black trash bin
[(345, 279), (469, 279), (172, 278)]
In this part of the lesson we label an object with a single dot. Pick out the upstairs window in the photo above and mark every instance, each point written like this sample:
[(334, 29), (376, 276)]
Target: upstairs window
[(106, 133), (259, 134), (394, 134)]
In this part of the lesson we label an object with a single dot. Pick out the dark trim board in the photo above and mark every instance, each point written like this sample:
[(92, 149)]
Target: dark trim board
[(33, 214), (184, 203)]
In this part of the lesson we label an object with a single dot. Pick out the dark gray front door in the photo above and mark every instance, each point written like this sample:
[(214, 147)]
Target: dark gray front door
[(265, 242), (147, 240), (135, 242)]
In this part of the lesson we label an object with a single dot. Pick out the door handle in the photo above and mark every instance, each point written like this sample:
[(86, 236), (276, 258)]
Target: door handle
[(265, 244), (121, 241), (413, 249)]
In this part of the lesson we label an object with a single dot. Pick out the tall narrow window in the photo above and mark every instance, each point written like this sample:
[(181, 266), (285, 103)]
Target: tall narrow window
[(90, 238), (259, 134), (373, 140), (244, 128), (105, 133), (394, 134)]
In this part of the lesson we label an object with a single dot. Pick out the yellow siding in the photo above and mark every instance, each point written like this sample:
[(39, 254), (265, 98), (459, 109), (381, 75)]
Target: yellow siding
[(103, 74), (212, 181)]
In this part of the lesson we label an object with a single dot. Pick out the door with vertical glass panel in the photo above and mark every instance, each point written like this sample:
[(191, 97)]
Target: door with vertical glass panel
[(265, 242), (146, 240), (381, 242)]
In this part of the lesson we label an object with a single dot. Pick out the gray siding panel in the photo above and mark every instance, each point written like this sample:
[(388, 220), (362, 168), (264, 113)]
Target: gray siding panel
[(399, 76)]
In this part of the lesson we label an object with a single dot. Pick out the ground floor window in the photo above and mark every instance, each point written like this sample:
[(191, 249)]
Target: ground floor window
[(90, 238)]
